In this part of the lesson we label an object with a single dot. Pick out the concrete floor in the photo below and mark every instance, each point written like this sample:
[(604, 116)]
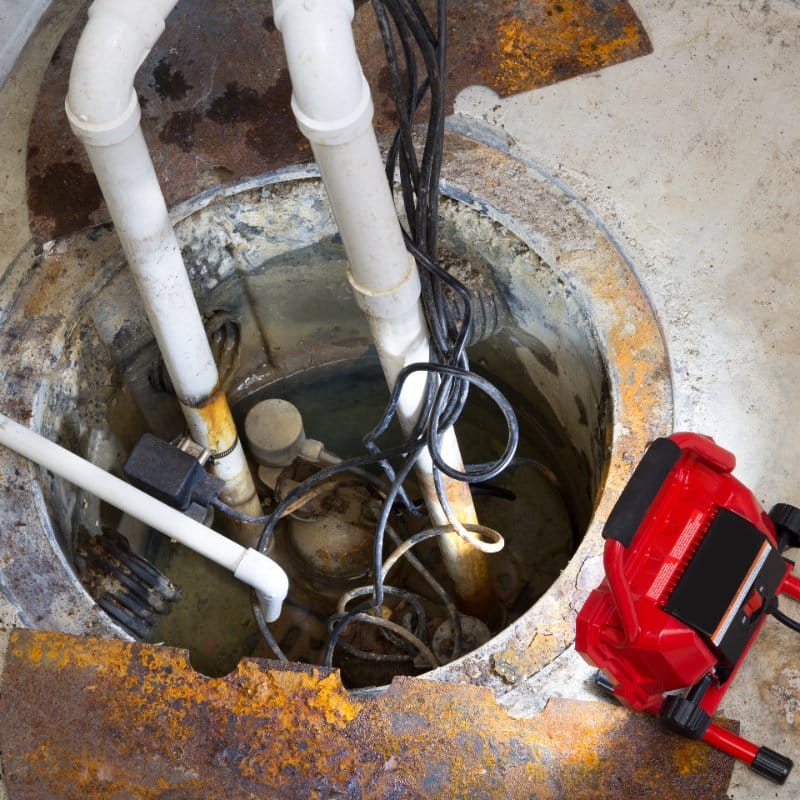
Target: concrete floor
[(18, 18), (691, 158)]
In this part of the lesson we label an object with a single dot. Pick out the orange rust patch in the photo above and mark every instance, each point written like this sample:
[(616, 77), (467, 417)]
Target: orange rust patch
[(45, 299), (105, 719), (633, 339), (691, 759), (218, 421), (515, 664), (569, 38)]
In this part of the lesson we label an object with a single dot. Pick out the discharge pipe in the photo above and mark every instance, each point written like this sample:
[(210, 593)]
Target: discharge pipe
[(247, 564), (333, 106), (103, 111)]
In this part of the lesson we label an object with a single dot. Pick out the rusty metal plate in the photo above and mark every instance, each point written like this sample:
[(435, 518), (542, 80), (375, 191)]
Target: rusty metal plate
[(215, 90), (106, 720)]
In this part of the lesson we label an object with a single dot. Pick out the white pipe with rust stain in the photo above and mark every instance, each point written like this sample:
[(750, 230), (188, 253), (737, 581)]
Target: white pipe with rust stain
[(248, 565), (333, 107), (104, 113)]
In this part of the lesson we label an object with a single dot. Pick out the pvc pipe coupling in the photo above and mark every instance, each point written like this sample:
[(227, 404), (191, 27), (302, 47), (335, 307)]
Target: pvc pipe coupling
[(338, 131), (105, 134), (392, 303)]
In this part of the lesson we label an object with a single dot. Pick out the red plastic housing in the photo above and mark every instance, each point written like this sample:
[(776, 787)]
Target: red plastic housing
[(623, 627)]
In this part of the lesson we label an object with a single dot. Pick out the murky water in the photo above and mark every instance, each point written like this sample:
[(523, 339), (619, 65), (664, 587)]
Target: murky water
[(339, 403)]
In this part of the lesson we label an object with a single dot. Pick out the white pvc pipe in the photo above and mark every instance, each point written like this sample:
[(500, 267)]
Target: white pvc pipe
[(323, 63), (104, 113), (130, 186), (337, 119), (333, 107), (248, 565), (116, 40)]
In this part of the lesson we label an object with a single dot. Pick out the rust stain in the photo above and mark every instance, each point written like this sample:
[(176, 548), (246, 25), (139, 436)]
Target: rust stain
[(634, 341), (45, 300), (103, 719), (67, 191), (41, 296), (515, 664), (215, 97), (218, 421), (475, 594), (570, 38), (466, 565)]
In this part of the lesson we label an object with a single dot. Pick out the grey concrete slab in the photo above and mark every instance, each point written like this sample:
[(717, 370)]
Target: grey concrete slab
[(17, 19)]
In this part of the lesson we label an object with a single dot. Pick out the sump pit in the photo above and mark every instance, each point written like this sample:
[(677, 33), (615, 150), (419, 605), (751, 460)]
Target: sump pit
[(291, 330), (267, 259)]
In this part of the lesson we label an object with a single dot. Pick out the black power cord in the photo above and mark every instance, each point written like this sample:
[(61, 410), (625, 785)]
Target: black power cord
[(417, 71), (790, 623), (449, 377)]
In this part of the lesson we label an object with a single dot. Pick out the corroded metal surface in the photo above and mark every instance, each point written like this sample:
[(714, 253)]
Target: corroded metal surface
[(89, 718), (215, 90)]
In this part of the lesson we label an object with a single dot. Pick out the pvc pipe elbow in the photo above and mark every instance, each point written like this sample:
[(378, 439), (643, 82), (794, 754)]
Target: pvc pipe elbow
[(267, 578), (101, 104), (331, 99)]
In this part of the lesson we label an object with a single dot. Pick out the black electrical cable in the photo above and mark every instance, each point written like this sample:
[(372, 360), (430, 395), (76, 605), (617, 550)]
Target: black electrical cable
[(395, 628), (339, 621), (419, 631), (418, 76), (366, 655), (231, 512), (473, 473), (790, 623), (493, 490), (421, 205), (327, 473), (447, 602), (264, 628)]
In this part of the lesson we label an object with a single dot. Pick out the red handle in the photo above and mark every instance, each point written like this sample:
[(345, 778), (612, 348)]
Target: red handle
[(791, 587), (706, 449), (730, 743), (613, 561)]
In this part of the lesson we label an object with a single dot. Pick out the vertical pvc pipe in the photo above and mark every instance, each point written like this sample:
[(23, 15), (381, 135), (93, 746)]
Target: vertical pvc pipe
[(104, 113), (333, 106)]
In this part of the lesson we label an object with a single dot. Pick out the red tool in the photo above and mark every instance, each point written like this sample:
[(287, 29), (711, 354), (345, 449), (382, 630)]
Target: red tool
[(693, 568)]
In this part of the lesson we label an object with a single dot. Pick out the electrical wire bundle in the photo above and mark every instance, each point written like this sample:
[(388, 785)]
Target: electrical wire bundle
[(417, 68)]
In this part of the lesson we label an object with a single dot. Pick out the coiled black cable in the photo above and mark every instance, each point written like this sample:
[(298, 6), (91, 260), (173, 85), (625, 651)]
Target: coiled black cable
[(414, 82)]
